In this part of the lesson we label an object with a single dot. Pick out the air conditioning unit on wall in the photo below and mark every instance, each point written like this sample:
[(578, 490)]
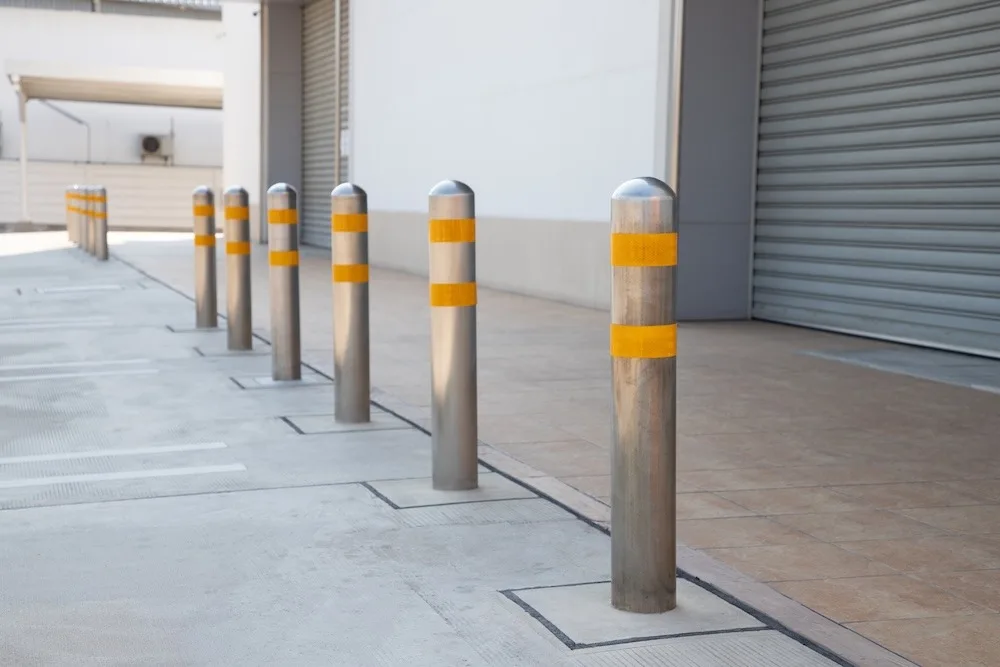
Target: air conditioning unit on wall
[(156, 149)]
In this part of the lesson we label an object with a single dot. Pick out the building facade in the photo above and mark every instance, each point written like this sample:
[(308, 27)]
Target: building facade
[(837, 162), (95, 142)]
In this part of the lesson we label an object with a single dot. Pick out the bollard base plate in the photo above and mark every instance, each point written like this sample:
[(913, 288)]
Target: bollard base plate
[(410, 493), (581, 615), (267, 382), (313, 424)]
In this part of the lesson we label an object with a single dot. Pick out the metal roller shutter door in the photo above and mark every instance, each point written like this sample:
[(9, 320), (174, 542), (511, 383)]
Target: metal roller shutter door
[(878, 206), (319, 119)]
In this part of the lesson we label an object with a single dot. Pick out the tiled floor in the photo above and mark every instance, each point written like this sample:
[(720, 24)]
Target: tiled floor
[(869, 496)]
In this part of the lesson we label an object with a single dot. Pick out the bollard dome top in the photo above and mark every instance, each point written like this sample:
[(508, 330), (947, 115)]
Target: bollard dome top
[(348, 190), (235, 190), (450, 188), (202, 191), (281, 189), (646, 187)]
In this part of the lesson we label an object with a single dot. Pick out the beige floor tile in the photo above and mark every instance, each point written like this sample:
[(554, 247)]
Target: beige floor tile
[(792, 562), (735, 532), (504, 430), (598, 486), (570, 458), (984, 489), (707, 506), (979, 519), (875, 598), (852, 526), (746, 479), (930, 554), (806, 500), (908, 495), (979, 586), (962, 641)]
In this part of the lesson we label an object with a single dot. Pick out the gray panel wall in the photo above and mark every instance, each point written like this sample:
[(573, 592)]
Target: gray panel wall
[(717, 160), (281, 93)]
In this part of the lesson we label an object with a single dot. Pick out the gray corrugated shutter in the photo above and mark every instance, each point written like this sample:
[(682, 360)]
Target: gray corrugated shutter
[(878, 199), (319, 119), (345, 88)]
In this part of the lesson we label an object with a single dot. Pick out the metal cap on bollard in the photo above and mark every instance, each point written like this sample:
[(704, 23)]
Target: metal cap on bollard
[(644, 379), (236, 214), (283, 257), (453, 298), (349, 270)]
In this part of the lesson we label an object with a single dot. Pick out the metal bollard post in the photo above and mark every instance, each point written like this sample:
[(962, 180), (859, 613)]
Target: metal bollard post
[(75, 214), (101, 223), (205, 281), (283, 256), (351, 355), (88, 218), (454, 394), (70, 204), (237, 231), (644, 383)]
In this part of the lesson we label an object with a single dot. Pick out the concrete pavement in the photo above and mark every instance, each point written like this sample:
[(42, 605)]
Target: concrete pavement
[(162, 503), (822, 476)]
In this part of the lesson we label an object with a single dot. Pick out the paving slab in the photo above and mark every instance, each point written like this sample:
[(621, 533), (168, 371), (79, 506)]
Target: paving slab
[(154, 512)]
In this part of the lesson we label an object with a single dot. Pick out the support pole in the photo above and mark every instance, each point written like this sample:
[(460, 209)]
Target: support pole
[(454, 398), (205, 278), (644, 381), (351, 347), (283, 256), (101, 223), (239, 331), (22, 108)]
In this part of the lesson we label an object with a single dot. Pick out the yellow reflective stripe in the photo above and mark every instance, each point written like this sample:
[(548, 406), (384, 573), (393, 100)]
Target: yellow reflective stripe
[(99, 214), (644, 249), (204, 210), (284, 257), (349, 222), (204, 240), (462, 230), (350, 273), (237, 247), (644, 342), (453, 294), (237, 213), (283, 216)]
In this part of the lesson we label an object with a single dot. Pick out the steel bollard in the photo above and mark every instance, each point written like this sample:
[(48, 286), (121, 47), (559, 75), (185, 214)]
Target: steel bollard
[(88, 218), (70, 204), (205, 279), (283, 257), (454, 394), (101, 223), (351, 347), (644, 383), (75, 214), (239, 331)]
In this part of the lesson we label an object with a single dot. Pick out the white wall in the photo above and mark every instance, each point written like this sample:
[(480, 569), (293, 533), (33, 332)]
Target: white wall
[(139, 197), (241, 101), (542, 106), (109, 39)]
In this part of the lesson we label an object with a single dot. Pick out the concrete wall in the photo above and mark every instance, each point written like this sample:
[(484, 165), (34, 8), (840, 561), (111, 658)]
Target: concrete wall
[(718, 128), (241, 23), (543, 106), (108, 39)]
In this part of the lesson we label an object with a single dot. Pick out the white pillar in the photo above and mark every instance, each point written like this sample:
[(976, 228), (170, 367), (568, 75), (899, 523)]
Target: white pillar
[(22, 108)]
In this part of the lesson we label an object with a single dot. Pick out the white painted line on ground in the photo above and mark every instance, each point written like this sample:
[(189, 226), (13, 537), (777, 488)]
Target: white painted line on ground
[(53, 321), (99, 453), (66, 376), (116, 476), (79, 288), (74, 364)]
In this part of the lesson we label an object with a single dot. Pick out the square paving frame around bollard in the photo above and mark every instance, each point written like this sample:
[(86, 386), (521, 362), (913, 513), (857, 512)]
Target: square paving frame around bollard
[(581, 615), (404, 494), (326, 423), (255, 382)]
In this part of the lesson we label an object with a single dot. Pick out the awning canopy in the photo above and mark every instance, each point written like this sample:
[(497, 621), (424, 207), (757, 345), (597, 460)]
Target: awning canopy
[(70, 82)]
